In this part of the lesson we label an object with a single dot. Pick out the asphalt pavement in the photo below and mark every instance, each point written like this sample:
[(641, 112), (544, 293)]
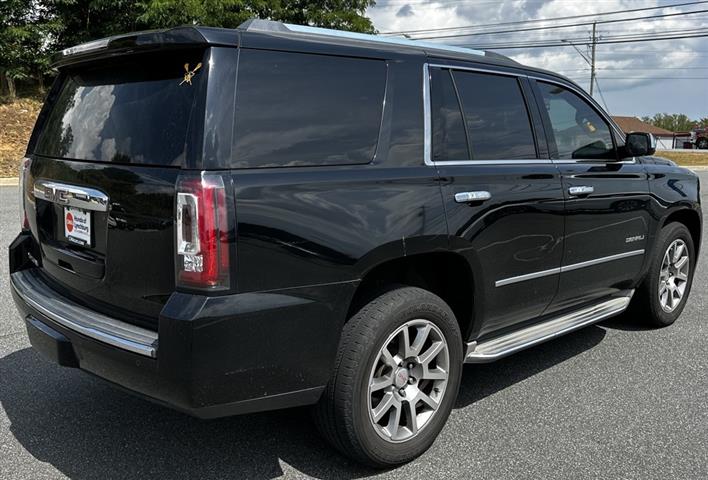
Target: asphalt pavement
[(610, 401)]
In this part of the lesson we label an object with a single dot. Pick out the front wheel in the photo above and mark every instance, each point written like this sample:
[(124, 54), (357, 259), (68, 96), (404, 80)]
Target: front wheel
[(662, 295), (396, 378), (702, 143)]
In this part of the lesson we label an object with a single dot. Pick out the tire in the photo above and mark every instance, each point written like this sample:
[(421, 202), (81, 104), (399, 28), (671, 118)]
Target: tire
[(345, 413), (652, 300), (702, 143)]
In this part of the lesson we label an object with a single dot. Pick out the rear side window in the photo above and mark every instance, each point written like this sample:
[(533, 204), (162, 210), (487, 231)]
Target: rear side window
[(496, 117), (301, 109), (130, 111), (449, 138)]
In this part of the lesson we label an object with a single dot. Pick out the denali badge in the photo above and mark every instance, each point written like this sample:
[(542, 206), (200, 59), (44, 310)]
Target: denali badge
[(635, 238)]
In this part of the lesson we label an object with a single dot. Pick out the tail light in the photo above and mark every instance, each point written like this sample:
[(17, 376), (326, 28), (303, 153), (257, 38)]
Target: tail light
[(202, 232), (24, 166)]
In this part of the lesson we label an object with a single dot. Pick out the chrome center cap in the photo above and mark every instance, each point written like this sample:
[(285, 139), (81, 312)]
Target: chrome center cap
[(400, 380)]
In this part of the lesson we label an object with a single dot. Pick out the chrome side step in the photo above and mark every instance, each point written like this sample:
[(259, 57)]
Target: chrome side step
[(500, 347)]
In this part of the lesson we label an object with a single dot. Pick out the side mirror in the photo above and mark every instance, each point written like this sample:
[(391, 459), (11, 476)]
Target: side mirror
[(639, 144)]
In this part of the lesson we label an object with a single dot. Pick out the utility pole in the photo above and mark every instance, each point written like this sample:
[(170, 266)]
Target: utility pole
[(592, 56)]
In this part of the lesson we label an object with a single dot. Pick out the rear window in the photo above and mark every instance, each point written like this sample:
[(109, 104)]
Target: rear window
[(302, 109), (135, 111)]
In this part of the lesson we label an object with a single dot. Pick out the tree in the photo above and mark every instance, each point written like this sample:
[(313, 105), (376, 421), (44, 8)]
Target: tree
[(24, 43), (675, 122), (339, 14), (33, 29)]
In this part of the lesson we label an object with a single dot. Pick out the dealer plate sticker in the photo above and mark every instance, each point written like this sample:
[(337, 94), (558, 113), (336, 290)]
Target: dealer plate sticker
[(77, 225)]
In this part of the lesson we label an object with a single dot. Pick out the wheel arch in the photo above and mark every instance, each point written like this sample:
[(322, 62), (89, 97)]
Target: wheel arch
[(691, 219), (446, 274)]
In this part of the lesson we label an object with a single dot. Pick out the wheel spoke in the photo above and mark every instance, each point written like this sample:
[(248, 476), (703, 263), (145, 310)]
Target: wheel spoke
[(388, 401), (678, 251), (394, 420), (412, 417), (431, 353), (420, 338), (681, 262), (379, 383), (435, 374), (426, 399), (404, 348), (388, 359)]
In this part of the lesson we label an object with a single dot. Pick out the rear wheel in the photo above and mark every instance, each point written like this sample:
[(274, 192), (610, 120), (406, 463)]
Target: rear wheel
[(662, 296), (702, 143), (396, 378)]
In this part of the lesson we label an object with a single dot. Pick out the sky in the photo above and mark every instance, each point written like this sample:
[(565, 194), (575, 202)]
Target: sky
[(635, 79)]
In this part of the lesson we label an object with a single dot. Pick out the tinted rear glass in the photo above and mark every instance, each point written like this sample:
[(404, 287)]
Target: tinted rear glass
[(498, 123), (449, 137), (135, 111), (302, 109)]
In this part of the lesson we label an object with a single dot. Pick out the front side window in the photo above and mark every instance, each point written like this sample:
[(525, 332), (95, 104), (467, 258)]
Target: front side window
[(498, 124), (579, 131)]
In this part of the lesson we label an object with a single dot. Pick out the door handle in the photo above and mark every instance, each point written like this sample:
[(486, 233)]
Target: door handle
[(581, 191), (468, 197)]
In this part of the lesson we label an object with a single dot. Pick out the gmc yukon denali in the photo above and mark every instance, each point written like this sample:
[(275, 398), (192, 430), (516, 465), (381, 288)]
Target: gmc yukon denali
[(230, 221)]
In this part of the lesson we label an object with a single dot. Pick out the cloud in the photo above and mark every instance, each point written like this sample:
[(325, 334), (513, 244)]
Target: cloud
[(621, 68), (405, 11)]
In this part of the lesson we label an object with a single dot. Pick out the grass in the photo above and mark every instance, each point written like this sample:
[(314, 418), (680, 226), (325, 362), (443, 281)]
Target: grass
[(686, 159), (17, 120)]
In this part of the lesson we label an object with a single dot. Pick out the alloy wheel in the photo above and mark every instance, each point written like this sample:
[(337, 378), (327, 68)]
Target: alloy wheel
[(408, 380), (673, 277)]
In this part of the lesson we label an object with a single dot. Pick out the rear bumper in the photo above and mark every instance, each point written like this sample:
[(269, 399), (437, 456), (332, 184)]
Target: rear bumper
[(211, 356)]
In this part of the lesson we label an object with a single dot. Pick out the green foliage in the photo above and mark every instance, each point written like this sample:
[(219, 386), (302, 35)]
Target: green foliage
[(340, 14), (675, 122), (24, 42), (30, 30)]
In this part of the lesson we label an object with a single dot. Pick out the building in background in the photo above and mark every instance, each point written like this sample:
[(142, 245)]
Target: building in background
[(664, 138)]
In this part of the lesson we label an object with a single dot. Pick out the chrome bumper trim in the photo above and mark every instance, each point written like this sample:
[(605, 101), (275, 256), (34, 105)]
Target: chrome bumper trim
[(499, 347), (29, 287)]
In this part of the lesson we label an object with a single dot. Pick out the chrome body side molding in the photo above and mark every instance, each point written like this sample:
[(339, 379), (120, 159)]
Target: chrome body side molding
[(71, 195), (566, 268), (500, 347), (36, 293)]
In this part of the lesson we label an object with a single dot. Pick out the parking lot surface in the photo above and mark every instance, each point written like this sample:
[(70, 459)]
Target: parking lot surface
[(611, 401)]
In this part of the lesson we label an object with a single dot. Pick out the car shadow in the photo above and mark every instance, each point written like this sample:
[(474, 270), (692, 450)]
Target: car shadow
[(87, 429)]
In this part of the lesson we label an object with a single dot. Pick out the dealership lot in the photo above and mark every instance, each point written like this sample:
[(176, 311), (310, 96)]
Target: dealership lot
[(610, 401)]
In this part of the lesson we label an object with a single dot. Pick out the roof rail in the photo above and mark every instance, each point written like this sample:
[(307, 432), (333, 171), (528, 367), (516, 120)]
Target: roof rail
[(258, 25)]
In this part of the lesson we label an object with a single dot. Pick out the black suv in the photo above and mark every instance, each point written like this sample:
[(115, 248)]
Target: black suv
[(228, 221)]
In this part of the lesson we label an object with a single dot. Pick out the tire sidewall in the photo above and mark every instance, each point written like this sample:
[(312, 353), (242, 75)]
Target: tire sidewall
[(429, 308)]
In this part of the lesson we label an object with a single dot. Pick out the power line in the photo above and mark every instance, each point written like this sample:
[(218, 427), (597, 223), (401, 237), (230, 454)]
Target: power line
[(536, 20), (602, 41), (574, 25)]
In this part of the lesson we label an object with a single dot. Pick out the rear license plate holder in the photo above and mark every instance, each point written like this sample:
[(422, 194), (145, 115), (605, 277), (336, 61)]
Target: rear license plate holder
[(77, 226)]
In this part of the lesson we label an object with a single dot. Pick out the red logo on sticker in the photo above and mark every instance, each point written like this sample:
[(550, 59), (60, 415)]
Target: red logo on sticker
[(69, 222)]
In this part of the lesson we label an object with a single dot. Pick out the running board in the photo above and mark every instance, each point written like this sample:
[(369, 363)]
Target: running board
[(499, 347)]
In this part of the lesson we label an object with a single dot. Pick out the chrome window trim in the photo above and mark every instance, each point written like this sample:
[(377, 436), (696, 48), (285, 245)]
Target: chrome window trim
[(567, 268), (71, 195), (428, 121)]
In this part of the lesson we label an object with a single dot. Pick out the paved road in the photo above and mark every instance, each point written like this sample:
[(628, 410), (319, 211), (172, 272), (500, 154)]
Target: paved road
[(610, 401)]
